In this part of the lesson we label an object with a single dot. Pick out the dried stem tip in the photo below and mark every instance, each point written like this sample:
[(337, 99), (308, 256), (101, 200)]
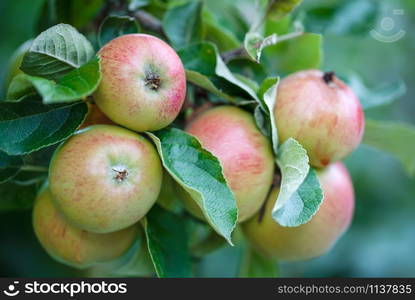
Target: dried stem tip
[(152, 81), (120, 175), (328, 77)]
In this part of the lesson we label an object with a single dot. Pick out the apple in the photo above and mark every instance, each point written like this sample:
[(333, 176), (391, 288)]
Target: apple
[(230, 134), (105, 178), (311, 239), (322, 113), (71, 245), (143, 82)]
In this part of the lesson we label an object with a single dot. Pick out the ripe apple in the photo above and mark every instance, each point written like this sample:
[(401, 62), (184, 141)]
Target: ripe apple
[(245, 154), (143, 82), (95, 116), (322, 113), (105, 178), (313, 238), (71, 245)]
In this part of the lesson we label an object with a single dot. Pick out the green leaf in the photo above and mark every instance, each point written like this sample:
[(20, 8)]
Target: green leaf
[(283, 26), (57, 51), (136, 262), (266, 84), (264, 112), (78, 13), (114, 26), (229, 15), (293, 162), (253, 44), (201, 175), (169, 198), (268, 11), (16, 197), (26, 178), (248, 68), (167, 242), (375, 97), (9, 166), (82, 12), (254, 265), (136, 4), (270, 86), (303, 204), (254, 40), (252, 84), (73, 86), (217, 33), (395, 138), (280, 8), (140, 265), (204, 82), (182, 24), (222, 71), (199, 58), (20, 87), (303, 52), (262, 120), (212, 72), (300, 193), (202, 238), (351, 17), (41, 157), (29, 125), (15, 61), (211, 243)]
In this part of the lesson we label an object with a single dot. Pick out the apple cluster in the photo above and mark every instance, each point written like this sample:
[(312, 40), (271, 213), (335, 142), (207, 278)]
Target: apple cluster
[(106, 177), (324, 115)]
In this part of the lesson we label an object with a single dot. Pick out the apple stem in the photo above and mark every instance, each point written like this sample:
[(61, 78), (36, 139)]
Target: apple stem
[(120, 175), (32, 168), (152, 81), (276, 182), (328, 77)]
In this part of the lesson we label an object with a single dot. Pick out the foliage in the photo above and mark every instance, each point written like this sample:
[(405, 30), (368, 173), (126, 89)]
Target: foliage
[(300, 194), (222, 52)]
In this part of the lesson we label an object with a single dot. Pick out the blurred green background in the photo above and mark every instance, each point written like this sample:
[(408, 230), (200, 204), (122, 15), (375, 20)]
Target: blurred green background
[(381, 240)]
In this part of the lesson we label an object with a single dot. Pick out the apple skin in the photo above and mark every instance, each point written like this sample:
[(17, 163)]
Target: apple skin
[(95, 116), (71, 245), (105, 178), (325, 118), (311, 239), (143, 82), (230, 134)]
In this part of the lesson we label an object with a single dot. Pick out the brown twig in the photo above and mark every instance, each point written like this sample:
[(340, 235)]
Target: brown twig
[(110, 6), (241, 52), (234, 53), (276, 181), (148, 21)]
